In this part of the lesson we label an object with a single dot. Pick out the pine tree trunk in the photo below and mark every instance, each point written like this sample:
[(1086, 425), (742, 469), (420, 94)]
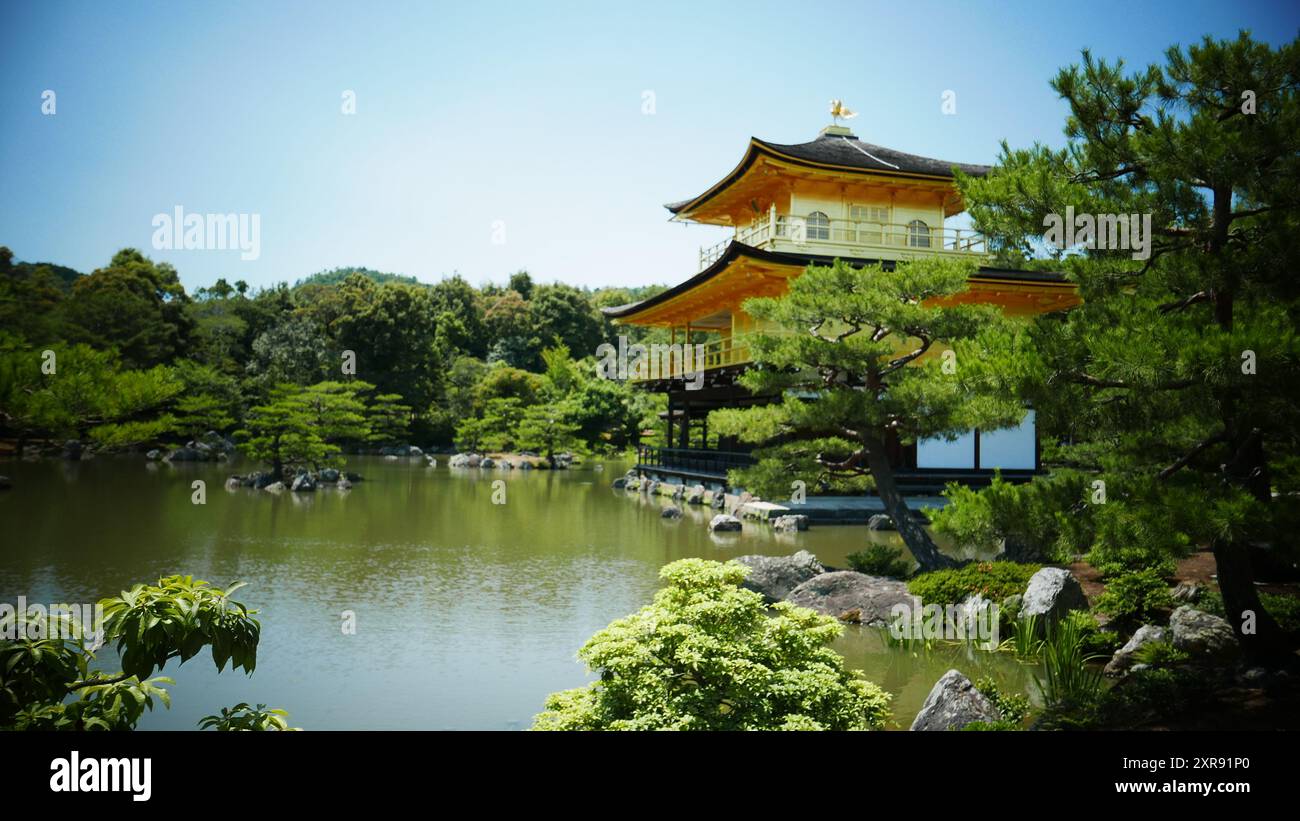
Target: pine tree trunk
[(918, 541), (1248, 469), (1237, 584)]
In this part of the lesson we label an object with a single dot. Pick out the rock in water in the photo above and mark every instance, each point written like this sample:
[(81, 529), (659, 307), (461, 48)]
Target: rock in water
[(274, 487), (302, 483), (790, 523), (881, 521), (1203, 635), (329, 475), (671, 512), (1052, 593), (722, 523), (952, 704), (835, 593), (1146, 634), (776, 576)]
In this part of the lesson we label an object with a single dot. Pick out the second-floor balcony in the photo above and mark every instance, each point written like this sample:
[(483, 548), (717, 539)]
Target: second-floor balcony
[(853, 239)]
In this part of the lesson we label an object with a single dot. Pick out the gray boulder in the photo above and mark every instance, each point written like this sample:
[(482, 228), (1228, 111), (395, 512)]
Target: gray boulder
[(234, 482), (1123, 658), (952, 704), (344, 484), (1186, 592), (790, 523), (329, 475), (695, 496), (843, 591), (460, 460), (1203, 635), (719, 500), (1052, 593), (274, 487), (487, 462), (153, 455), (722, 523), (303, 483), (620, 483), (776, 576), (671, 512), (72, 450), (881, 521)]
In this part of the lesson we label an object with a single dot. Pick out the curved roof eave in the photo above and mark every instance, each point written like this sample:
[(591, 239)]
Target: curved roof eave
[(840, 154), (738, 249)]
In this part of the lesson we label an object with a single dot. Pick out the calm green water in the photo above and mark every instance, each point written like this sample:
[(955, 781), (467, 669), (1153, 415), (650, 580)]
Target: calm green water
[(468, 613)]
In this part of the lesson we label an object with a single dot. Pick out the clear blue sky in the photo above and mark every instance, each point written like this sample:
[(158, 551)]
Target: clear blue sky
[(531, 114)]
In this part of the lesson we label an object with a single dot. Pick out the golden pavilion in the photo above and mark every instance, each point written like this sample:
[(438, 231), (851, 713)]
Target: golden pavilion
[(791, 205)]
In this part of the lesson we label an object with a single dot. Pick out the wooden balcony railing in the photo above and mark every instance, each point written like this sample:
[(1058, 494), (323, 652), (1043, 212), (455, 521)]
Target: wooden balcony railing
[(852, 238)]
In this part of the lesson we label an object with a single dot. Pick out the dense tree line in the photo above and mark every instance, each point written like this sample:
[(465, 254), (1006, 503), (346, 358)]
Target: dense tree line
[(347, 358)]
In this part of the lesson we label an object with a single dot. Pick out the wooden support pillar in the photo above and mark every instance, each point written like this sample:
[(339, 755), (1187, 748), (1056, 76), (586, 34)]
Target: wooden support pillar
[(686, 424)]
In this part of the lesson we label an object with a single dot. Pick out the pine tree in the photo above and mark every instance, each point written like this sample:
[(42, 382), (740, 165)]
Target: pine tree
[(1177, 382), (865, 358)]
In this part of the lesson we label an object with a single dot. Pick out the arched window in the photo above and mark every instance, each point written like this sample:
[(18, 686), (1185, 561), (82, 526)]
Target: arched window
[(918, 234), (819, 226)]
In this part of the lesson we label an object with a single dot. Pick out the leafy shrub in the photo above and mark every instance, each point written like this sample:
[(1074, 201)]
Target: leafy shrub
[(1136, 597), (1160, 654), (244, 717), (705, 655), (1096, 642), (993, 580), (1043, 519), (1013, 707), (881, 560)]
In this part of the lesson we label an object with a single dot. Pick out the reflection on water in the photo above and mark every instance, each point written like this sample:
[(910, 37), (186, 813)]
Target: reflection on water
[(468, 613)]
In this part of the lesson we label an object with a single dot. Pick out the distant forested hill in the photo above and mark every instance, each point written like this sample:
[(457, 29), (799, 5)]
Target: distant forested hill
[(337, 275)]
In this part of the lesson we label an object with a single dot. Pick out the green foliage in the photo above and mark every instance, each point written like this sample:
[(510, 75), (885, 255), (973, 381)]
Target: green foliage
[(1141, 698), (89, 391), (46, 677), (1068, 678), (1013, 707), (133, 306), (177, 618), (1160, 654), (243, 717), (854, 352), (389, 420), (1285, 609), (1026, 637), (1046, 519), (881, 560), (1136, 597), (993, 580), (303, 427), (1147, 382), (706, 655)]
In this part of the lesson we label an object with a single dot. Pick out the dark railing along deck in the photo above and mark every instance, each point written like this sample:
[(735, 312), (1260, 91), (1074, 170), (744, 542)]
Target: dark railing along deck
[(692, 461)]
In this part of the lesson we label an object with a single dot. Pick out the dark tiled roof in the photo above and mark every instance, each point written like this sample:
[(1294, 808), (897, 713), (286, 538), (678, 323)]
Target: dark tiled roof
[(737, 249), (844, 152)]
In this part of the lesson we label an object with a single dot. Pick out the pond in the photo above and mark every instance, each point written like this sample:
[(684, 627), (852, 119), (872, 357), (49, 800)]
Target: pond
[(468, 613)]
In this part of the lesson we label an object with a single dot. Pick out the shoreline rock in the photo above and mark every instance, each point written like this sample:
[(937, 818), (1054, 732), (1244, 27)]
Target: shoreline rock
[(953, 703)]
